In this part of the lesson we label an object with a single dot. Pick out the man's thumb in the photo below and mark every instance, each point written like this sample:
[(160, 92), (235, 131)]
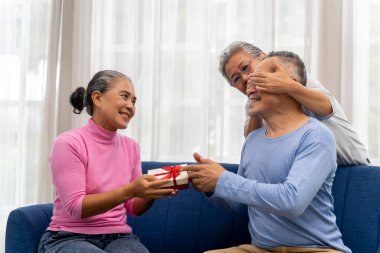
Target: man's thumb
[(201, 159)]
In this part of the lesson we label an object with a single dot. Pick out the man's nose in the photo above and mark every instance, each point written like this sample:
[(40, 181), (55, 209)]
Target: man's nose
[(251, 89)]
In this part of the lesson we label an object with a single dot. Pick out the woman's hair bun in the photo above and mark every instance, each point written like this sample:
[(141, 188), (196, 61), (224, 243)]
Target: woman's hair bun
[(77, 99)]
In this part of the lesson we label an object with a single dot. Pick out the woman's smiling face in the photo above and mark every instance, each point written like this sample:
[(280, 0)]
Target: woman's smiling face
[(115, 107)]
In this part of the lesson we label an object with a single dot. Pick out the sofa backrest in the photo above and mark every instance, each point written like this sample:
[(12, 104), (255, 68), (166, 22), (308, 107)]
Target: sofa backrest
[(189, 223)]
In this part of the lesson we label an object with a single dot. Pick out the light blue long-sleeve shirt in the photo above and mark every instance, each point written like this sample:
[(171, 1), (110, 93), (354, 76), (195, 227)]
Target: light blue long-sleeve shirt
[(286, 184)]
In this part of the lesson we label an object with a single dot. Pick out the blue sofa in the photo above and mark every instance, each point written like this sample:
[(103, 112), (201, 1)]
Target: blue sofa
[(189, 223)]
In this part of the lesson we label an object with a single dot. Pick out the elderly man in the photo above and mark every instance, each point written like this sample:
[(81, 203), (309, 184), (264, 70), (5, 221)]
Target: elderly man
[(237, 63), (285, 174)]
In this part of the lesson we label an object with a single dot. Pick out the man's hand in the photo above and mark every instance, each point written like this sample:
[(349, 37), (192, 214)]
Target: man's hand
[(275, 81), (205, 174)]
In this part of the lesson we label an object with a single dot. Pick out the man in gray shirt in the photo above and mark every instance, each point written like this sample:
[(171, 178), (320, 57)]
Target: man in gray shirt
[(317, 101)]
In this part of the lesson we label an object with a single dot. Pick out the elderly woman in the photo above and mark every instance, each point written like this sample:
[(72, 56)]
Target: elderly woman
[(97, 174)]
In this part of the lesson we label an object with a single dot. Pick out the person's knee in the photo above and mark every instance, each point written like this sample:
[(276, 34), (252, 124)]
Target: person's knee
[(128, 244)]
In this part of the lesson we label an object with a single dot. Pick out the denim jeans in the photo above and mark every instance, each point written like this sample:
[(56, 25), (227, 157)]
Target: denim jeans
[(67, 242)]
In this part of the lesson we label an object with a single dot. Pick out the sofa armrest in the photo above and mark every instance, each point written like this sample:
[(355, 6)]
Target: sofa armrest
[(25, 227)]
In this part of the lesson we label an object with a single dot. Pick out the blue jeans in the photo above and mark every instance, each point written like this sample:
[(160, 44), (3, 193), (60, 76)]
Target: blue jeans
[(67, 242)]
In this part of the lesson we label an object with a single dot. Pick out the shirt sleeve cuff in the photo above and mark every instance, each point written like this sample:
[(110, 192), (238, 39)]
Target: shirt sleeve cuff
[(211, 195), (223, 180)]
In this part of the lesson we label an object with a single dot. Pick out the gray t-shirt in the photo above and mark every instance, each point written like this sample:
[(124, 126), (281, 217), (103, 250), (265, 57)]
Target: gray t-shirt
[(350, 150)]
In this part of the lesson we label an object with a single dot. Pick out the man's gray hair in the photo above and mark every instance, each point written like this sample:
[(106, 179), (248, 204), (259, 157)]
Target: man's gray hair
[(292, 58), (233, 48)]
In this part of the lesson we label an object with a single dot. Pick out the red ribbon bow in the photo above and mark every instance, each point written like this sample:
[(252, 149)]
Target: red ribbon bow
[(172, 172)]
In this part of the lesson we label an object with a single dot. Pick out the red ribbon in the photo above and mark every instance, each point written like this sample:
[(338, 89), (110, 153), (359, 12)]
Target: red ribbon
[(172, 172)]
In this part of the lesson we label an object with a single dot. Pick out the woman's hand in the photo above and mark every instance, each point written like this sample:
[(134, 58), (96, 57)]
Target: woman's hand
[(277, 80), (148, 187)]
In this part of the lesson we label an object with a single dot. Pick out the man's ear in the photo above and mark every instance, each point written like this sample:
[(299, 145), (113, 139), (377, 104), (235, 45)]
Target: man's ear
[(95, 96), (294, 79)]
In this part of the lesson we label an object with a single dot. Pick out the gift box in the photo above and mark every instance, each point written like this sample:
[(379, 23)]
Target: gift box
[(179, 179)]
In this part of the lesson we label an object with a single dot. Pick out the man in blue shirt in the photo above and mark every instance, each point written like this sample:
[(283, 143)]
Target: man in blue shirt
[(285, 175)]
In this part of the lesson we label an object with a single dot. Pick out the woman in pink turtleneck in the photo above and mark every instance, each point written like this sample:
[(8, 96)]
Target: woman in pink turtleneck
[(97, 174)]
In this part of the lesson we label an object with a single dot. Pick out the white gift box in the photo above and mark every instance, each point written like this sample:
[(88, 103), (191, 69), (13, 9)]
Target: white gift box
[(179, 179)]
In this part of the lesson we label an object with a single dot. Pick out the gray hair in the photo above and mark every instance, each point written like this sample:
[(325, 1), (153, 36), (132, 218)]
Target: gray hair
[(288, 57), (233, 48), (101, 82)]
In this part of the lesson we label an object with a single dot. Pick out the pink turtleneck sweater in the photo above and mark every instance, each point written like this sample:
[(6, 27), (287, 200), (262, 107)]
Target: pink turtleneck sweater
[(90, 160)]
